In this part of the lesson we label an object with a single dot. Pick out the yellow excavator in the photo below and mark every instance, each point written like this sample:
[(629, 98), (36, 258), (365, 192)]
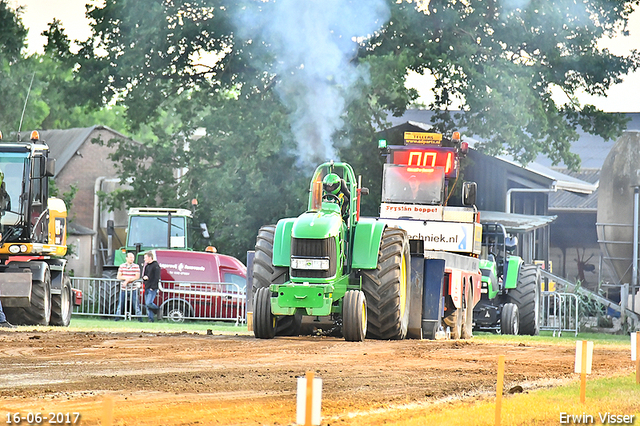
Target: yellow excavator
[(34, 286)]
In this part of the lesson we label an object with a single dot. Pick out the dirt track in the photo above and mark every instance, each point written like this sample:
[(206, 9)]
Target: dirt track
[(188, 379)]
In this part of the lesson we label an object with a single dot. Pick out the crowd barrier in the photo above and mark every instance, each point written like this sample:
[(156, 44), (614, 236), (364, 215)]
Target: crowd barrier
[(559, 312), (178, 301)]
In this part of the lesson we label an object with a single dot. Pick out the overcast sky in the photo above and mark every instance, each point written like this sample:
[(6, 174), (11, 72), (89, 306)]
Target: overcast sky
[(38, 13)]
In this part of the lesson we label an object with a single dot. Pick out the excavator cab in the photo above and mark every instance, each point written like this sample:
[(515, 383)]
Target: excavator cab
[(27, 216)]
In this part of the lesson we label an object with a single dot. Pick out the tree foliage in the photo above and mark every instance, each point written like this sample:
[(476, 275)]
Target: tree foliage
[(232, 68), (40, 84), (504, 59)]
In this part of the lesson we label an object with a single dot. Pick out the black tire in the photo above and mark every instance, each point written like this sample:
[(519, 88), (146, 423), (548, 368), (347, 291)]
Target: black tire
[(39, 313), (264, 323), (62, 305), (108, 293), (354, 316), (467, 324), (387, 288), (510, 319), (290, 325), (527, 296), (265, 274)]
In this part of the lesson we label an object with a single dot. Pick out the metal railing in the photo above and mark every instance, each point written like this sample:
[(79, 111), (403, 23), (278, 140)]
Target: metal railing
[(178, 301), (559, 312)]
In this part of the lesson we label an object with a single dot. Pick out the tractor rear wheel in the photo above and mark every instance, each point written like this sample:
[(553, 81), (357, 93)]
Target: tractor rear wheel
[(265, 274), (61, 305), (527, 296), (354, 316), (108, 292), (510, 319), (264, 323), (387, 287)]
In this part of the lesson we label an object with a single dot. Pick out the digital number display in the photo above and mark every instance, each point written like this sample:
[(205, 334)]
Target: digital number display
[(442, 157)]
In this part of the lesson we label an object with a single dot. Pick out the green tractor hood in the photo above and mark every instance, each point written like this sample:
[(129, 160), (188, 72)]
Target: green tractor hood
[(321, 224)]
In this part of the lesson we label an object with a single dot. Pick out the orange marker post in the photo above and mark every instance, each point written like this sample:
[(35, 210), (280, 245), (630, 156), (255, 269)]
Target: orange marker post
[(637, 358), (499, 387), (107, 411), (583, 373), (308, 415)]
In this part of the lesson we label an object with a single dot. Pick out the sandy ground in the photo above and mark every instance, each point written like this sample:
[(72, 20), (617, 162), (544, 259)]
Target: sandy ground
[(200, 379)]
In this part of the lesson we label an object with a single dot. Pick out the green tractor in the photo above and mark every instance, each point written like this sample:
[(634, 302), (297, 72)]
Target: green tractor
[(510, 292), (330, 263)]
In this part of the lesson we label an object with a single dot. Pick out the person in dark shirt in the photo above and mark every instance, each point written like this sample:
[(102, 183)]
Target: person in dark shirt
[(3, 319), (151, 279), (5, 201)]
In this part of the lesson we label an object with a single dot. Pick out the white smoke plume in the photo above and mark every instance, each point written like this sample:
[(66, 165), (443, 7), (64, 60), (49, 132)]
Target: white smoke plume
[(313, 42)]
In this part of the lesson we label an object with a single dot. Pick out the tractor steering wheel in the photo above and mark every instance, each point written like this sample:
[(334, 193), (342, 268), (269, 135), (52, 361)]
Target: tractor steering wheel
[(331, 198)]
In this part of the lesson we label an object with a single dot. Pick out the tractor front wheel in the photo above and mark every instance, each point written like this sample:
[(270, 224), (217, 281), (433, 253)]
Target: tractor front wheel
[(62, 305), (264, 323), (354, 316), (510, 319)]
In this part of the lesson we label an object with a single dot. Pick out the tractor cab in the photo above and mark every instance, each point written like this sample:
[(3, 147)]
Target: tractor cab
[(343, 199)]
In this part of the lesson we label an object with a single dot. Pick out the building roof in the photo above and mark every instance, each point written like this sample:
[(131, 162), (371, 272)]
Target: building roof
[(77, 229), (65, 143), (592, 149), (516, 223), (567, 201)]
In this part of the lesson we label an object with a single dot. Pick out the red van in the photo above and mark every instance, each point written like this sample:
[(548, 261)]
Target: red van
[(201, 285)]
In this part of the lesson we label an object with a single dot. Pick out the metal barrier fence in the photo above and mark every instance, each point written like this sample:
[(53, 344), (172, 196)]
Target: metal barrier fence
[(559, 312), (177, 301)]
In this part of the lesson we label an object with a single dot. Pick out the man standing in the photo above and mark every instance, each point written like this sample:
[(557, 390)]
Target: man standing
[(128, 272), (3, 319), (151, 278)]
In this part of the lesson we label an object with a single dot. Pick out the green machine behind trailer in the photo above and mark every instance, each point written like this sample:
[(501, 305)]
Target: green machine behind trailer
[(510, 301)]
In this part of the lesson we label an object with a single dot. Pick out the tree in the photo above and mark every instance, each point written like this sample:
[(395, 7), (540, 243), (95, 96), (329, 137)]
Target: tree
[(41, 84), (12, 33), (239, 70), (504, 59)]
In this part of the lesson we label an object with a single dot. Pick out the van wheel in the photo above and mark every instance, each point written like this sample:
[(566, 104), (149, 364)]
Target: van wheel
[(177, 313)]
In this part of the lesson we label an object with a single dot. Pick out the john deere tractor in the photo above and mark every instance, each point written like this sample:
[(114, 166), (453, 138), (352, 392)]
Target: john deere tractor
[(510, 294), (331, 263)]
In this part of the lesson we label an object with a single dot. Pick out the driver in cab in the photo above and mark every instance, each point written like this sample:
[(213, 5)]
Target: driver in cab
[(5, 201), (336, 190)]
